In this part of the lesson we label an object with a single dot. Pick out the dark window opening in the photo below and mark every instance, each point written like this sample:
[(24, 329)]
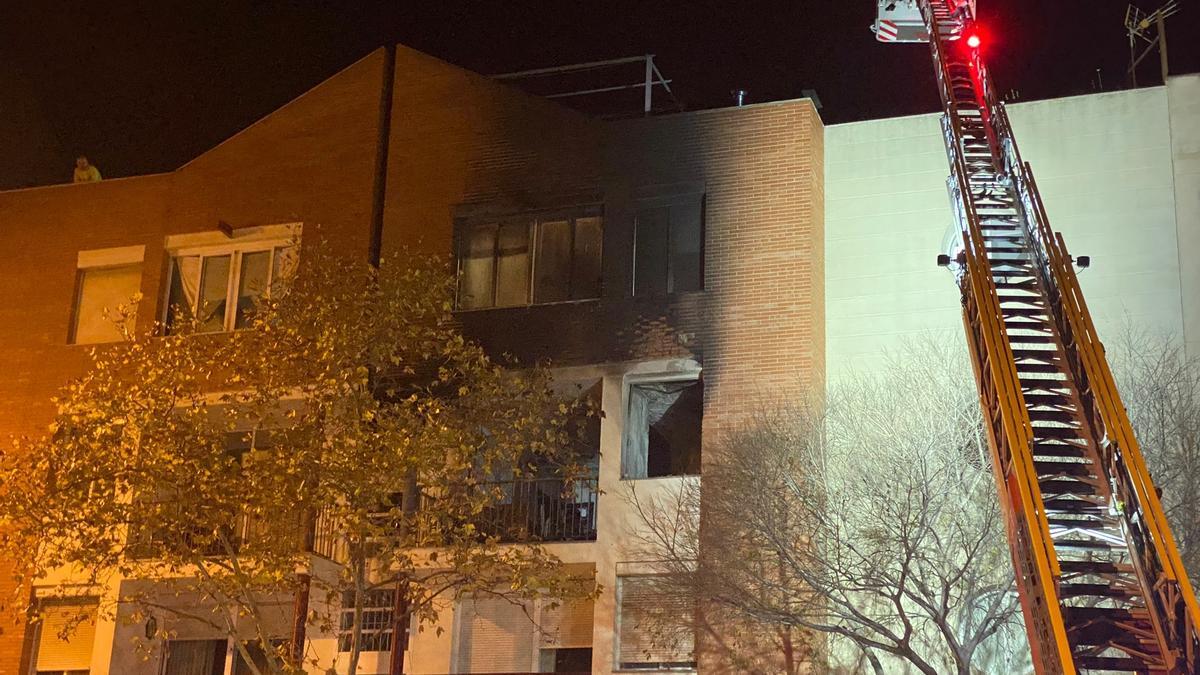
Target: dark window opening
[(669, 246), (566, 660), (663, 429)]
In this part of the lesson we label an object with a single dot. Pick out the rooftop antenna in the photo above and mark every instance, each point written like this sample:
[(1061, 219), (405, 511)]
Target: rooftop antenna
[(1151, 29)]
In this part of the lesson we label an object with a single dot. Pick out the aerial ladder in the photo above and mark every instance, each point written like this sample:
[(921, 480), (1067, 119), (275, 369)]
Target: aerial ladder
[(1099, 575)]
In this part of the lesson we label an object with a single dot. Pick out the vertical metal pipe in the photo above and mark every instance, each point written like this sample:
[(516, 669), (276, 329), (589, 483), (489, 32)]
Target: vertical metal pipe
[(648, 98), (1162, 45)]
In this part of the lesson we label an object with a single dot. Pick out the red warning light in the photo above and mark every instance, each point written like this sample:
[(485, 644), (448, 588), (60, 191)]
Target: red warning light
[(973, 41)]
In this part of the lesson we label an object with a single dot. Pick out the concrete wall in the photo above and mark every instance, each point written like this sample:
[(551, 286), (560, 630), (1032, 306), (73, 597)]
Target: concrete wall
[(1104, 166)]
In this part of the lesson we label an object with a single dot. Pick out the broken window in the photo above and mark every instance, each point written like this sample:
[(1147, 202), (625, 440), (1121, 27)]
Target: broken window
[(662, 429), (669, 245), (218, 290), (530, 260)]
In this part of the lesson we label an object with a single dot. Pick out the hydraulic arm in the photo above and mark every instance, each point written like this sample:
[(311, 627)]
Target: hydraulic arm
[(1101, 583)]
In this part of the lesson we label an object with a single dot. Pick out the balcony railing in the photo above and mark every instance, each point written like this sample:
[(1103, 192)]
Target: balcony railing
[(542, 509), (526, 509)]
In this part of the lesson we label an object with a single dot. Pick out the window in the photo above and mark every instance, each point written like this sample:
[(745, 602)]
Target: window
[(662, 429), (566, 660), (194, 657), (495, 635), (217, 289), (377, 620), (107, 279), (668, 254), (654, 626), (526, 260), (64, 637), (257, 656)]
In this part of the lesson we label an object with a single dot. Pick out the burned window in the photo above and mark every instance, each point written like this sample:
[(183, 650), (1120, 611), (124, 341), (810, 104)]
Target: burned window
[(530, 259), (669, 245), (662, 429)]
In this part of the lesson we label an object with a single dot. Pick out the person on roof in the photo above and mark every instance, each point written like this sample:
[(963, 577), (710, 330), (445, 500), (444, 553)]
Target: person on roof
[(86, 172)]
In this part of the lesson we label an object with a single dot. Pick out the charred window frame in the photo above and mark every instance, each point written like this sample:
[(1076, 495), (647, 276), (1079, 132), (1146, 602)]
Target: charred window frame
[(668, 244), (527, 259), (663, 424)]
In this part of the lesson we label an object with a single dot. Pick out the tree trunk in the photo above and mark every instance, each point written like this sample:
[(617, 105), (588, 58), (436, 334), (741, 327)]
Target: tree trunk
[(360, 573)]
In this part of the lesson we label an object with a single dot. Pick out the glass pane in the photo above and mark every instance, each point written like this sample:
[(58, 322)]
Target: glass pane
[(195, 657), (553, 261), (102, 290), (585, 267), (185, 286), (650, 255), (687, 239), (214, 293), (512, 265), (477, 267), (253, 282)]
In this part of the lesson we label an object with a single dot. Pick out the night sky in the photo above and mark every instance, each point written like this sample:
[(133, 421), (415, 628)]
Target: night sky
[(144, 87)]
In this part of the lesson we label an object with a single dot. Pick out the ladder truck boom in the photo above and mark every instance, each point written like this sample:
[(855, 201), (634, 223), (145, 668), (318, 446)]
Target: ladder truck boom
[(1101, 582)]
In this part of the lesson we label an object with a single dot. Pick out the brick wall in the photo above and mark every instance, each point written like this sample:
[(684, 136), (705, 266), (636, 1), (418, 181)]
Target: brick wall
[(460, 140)]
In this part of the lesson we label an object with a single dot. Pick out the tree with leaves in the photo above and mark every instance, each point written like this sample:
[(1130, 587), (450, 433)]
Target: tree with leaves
[(349, 421)]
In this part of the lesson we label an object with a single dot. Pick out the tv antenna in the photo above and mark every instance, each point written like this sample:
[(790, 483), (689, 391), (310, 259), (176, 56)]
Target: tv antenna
[(1150, 29)]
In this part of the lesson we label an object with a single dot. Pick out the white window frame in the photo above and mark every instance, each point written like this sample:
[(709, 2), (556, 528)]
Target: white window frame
[(236, 252), (95, 259)]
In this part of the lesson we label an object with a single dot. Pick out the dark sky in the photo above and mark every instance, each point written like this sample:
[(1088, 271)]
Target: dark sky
[(143, 87)]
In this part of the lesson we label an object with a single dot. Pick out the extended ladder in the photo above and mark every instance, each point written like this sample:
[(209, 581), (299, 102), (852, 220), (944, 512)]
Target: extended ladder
[(1100, 579)]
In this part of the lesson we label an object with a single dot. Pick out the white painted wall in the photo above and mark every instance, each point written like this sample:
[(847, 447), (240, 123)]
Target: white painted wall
[(1183, 96), (1104, 166)]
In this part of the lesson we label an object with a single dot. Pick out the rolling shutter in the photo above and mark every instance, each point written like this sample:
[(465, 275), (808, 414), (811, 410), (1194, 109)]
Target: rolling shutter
[(654, 627), (569, 625), (496, 636), (74, 652)]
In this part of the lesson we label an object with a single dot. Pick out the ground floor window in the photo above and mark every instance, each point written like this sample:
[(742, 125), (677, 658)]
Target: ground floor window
[(377, 620), (495, 635), (64, 637), (654, 626), (194, 657), (566, 660)]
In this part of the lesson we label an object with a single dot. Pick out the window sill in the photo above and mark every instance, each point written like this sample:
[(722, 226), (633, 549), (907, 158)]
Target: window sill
[(559, 303), (630, 479)]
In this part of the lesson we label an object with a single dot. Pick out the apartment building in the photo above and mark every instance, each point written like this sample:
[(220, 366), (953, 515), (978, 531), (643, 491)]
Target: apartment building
[(672, 265)]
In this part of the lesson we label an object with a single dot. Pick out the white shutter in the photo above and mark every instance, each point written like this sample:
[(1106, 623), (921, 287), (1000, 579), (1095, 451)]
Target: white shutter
[(495, 636), (569, 625), (654, 627), (100, 289), (75, 652)]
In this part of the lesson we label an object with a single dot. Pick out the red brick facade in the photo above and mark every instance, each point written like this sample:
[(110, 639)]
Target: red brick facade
[(457, 141)]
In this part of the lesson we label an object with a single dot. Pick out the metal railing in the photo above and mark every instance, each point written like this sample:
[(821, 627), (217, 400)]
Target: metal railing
[(542, 509)]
